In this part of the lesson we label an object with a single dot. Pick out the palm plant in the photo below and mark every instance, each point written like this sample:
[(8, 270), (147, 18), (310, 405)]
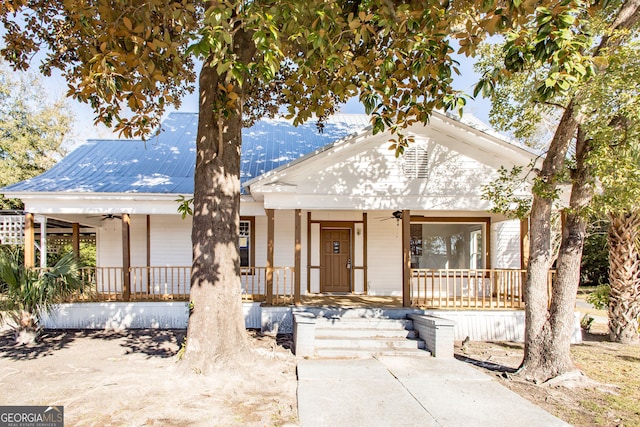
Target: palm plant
[(27, 293)]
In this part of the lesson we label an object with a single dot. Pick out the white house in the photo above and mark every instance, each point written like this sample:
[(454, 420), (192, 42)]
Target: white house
[(343, 215)]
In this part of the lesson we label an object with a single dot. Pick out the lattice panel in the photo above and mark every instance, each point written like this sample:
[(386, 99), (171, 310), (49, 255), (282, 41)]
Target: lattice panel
[(11, 230), (56, 243)]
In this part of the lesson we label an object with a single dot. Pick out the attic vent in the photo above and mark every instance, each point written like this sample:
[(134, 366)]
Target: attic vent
[(416, 162)]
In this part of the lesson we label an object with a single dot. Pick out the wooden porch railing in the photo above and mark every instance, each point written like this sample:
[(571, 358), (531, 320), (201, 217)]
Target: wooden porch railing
[(483, 289), (455, 289), (173, 283), (254, 284)]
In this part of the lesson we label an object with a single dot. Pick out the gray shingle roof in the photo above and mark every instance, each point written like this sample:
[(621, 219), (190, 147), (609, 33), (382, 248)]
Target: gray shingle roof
[(165, 164)]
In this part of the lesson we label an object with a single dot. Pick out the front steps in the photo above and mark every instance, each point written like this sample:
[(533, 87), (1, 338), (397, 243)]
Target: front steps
[(356, 337)]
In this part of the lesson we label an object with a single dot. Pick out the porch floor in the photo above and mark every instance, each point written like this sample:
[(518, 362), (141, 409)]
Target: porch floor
[(350, 300), (330, 300)]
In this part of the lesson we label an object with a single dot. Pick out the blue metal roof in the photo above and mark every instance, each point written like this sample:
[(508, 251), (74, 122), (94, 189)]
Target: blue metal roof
[(165, 164)]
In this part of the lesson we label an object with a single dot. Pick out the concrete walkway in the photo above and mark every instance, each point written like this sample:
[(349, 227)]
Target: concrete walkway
[(408, 391)]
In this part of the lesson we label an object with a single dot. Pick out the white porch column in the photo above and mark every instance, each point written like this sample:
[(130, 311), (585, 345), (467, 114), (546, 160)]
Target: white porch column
[(43, 241)]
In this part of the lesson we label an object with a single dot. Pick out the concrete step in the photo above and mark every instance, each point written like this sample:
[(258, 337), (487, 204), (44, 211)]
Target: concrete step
[(339, 336), (367, 342), (355, 333), (361, 353), (363, 323)]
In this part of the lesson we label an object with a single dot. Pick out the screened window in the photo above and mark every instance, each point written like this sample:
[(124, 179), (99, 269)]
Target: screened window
[(448, 245)]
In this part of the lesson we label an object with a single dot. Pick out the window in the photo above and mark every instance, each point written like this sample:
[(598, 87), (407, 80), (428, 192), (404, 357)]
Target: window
[(246, 242), (442, 245), (416, 162)]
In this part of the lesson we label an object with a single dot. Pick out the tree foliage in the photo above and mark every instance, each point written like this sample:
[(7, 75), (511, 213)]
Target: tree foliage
[(594, 268), (32, 129), (130, 60)]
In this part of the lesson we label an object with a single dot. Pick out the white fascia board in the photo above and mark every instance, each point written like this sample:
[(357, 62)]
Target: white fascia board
[(276, 187), (99, 203), (250, 207), (68, 195), (441, 123), (336, 202), (481, 140), (116, 203)]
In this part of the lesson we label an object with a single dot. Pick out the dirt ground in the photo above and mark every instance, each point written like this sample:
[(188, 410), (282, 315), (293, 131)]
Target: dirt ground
[(610, 396), (131, 378)]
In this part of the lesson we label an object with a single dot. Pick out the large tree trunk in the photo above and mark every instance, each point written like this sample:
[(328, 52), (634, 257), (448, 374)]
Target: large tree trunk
[(624, 278), (560, 316), (547, 349), (216, 331)]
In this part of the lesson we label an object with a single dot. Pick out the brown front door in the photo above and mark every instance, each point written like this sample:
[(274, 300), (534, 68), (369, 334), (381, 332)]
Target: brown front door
[(335, 267)]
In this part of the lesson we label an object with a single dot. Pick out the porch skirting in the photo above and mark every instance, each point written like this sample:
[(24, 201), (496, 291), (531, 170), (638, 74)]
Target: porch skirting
[(132, 315), (507, 325)]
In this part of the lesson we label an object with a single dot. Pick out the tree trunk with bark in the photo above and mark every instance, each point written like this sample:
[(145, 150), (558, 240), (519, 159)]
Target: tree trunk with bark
[(216, 333), (624, 277), (538, 365)]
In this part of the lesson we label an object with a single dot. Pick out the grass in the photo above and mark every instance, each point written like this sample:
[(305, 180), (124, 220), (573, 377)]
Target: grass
[(619, 366), (609, 363)]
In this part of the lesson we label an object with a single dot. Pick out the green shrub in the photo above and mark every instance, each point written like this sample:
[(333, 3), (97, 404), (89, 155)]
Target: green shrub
[(600, 297)]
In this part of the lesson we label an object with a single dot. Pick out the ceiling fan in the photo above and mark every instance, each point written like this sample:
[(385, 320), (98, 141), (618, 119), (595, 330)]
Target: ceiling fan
[(397, 215), (107, 216)]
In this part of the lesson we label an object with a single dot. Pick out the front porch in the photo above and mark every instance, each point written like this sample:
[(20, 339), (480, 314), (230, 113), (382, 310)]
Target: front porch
[(485, 289)]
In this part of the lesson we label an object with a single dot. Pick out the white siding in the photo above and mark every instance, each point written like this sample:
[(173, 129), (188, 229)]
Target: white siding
[(303, 253), (170, 241), (385, 255), (109, 243), (284, 239), (358, 259), (261, 241), (171, 245), (315, 257), (138, 240), (170, 238), (505, 244)]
